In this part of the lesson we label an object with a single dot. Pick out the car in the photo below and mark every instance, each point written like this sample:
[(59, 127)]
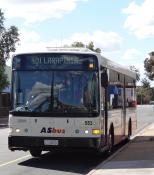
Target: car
[(151, 102)]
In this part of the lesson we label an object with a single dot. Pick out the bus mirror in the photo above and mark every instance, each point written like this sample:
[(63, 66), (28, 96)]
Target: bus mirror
[(104, 79)]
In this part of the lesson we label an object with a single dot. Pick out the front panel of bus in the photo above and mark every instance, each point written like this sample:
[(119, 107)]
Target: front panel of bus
[(55, 101)]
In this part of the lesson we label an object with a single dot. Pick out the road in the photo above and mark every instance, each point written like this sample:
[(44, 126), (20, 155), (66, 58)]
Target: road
[(145, 116), (21, 163)]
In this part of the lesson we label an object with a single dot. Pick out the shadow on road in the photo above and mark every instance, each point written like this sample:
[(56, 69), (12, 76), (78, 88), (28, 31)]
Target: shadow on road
[(70, 162), (79, 162)]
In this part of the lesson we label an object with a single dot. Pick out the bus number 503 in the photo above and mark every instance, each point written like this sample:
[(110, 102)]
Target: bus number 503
[(88, 123)]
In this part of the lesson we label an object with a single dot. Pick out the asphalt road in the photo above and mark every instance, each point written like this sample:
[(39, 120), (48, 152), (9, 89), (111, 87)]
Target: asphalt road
[(21, 163), (145, 116)]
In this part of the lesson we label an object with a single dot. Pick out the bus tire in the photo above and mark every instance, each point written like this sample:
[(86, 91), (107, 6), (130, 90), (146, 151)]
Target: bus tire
[(100, 150), (111, 140), (35, 152)]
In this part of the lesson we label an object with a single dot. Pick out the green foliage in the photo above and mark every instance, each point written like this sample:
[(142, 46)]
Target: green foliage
[(89, 46), (77, 44), (98, 50), (152, 94), (8, 40), (144, 93), (145, 83), (3, 79), (133, 68), (149, 67)]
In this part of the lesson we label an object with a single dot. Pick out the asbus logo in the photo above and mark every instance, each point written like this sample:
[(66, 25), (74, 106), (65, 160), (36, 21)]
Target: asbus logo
[(52, 130)]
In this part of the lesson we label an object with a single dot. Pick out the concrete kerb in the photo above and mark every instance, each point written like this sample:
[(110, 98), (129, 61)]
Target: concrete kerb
[(119, 150), (143, 130), (108, 159)]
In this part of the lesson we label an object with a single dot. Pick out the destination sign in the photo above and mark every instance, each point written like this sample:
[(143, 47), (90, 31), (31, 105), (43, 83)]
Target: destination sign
[(54, 61)]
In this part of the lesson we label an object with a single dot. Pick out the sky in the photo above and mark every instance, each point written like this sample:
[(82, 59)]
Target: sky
[(122, 29)]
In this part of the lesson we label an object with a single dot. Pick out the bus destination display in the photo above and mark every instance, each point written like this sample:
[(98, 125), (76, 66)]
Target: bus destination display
[(53, 61)]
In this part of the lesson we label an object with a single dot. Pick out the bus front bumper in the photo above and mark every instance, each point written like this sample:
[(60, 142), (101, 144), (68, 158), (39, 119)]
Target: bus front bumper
[(27, 143)]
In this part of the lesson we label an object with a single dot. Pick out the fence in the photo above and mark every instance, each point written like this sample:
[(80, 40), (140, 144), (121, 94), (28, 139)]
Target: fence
[(4, 104)]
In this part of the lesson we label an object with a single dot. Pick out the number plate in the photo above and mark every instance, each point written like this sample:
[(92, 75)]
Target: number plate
[(51, 142)]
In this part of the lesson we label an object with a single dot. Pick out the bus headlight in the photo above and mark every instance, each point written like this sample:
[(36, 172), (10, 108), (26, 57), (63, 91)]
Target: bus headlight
[(96, 132), (86, 131), (17, 130)]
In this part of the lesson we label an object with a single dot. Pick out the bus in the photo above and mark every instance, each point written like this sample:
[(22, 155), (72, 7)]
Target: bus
[(70, 99)]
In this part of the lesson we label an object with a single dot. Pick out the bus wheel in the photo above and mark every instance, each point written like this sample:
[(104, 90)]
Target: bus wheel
[(111, 140), (100, 150), (35, 152)]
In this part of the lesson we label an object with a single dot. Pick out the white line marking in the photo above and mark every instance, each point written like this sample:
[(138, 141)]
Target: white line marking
[(12, 161)]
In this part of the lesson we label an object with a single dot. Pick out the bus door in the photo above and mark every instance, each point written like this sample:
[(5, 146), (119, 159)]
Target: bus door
[(121, 103), (123, 111), (104, 108)]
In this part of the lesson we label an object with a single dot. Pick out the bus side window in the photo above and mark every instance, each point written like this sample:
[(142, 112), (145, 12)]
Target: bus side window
[(115, 90), (115, 97), (130, 92), (130, 98)]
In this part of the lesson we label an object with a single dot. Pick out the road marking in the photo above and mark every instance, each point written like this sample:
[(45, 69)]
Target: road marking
[(13, 161)]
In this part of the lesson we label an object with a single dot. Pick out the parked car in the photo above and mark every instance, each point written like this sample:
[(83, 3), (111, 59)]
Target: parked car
[(151, 102)]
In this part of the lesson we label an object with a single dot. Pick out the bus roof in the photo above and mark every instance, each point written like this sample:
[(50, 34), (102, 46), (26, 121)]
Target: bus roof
[(81, 50), (105, 62), (116, 67)]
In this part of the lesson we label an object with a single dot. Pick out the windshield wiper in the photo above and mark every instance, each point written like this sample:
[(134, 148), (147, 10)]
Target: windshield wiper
[(76, 109), (52, 93), (22, 109)]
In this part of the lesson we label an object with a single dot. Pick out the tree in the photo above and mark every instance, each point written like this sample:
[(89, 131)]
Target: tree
[(89, 46), (3, 78), (133, 68), (152, 94), (144, 92), (145, 83), (77, 44), (143, 95), (149, 66), (8, 39)]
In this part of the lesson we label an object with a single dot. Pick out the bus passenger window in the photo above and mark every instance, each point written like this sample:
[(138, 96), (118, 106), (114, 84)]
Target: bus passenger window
[(115, 97), (130, 97), (112, 96), (120, 98)]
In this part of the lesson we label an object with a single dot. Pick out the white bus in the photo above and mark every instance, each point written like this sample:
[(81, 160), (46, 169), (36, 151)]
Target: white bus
[(70, 99)]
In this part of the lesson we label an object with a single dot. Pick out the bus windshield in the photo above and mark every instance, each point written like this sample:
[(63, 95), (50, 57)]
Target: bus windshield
[(55, 91)]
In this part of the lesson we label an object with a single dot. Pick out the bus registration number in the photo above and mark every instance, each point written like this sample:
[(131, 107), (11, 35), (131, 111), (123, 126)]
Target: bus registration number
[(51, 142)]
